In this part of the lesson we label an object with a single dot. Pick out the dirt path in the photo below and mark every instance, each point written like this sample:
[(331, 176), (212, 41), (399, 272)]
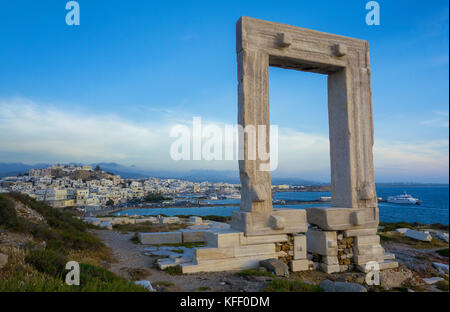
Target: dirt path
[(130, 259)]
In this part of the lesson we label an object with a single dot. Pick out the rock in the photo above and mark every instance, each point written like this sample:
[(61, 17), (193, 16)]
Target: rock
[(432, 280), (146, 284), (276, 266), (395, 278), (105, 225), (195, 220), (441, 267), (3, 260), (444, 237), (424, 237), (329, 286)]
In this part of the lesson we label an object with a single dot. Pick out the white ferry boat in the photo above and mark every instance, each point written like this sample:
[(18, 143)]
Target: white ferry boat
[(403, 199)]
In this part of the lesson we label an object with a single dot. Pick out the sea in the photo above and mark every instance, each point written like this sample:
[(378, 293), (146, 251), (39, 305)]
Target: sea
[(434, 207)]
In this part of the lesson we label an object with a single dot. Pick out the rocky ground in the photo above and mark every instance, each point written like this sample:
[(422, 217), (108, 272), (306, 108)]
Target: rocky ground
[(133, 262)]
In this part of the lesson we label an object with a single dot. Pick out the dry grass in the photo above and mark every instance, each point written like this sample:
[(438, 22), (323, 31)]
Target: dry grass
[(148, 227), (400, 238), (93, 257)]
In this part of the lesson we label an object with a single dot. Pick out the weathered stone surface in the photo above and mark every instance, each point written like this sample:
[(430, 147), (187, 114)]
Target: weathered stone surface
[(261, 44), (322, 242), (363, 259), (300, 247), (389, 256), (263, 249), (330, 260), (382, 265), (395, 278), (262, 239), (432, 280), (169, 220), (149, 219), (239, 263), (276, 266), (195, 220), (278, 221), (441, 267), (338, 219), (367, 240), (221, 239), (368, 250), (329, 286), (161, 238), (425, 237), (300, 265), (360, 232), (193, 236)]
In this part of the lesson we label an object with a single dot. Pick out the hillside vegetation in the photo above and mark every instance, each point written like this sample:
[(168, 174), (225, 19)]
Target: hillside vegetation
[(39, 240)]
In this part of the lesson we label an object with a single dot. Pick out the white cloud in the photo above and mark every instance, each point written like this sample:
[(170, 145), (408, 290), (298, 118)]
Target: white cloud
[(50, 134), (440, 119)]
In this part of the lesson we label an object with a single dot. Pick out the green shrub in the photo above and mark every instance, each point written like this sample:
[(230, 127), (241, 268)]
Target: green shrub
[(162, 283), (442, 285), (443, 252), (43, 283), (204, 288), (252, 272), (47, 261), (89, 273), (284, 285), (8, 215), (63, 231), (135, 239), (174, 270)]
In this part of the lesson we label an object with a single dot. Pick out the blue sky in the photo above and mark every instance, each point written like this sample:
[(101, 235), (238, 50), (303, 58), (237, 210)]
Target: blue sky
[(111, 88)]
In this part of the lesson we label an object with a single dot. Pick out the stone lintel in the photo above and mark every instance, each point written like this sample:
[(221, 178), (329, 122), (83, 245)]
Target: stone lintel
[(340, 219), (289, 221)]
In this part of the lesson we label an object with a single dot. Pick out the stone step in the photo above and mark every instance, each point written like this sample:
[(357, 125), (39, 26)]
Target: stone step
[(367, 240), (161, 238), (239, 263), (368, 250), (207, 253), (219, 239), (387, 264), (389, 256)]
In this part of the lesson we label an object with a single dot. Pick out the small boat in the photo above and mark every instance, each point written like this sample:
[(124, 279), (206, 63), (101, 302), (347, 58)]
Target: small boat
[(403, 199)]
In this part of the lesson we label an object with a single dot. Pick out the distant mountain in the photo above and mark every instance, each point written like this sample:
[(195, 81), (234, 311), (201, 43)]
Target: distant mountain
[(13, 169), (132, 172), (228, 176)]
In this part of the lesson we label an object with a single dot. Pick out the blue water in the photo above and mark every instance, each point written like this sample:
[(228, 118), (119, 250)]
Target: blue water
[(433, 209)]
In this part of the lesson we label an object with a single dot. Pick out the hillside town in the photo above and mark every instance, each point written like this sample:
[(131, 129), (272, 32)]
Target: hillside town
[(91, 188)]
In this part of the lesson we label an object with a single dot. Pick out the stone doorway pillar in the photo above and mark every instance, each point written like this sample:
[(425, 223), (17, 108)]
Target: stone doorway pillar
[(261, 44)]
